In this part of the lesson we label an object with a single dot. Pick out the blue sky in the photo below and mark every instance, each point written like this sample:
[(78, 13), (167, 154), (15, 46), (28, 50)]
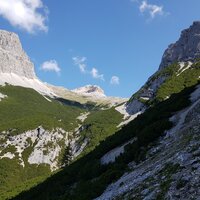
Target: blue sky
[(78, 42)]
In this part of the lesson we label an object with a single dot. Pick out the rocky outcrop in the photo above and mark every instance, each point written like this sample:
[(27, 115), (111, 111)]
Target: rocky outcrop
[(147, 92), (185, 51), (187, 48), (46, 146), (15, 66), (90, 90), (13, 59), (111, 156)]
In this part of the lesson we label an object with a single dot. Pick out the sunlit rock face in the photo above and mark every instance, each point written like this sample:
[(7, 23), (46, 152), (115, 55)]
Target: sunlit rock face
[(184, 52), (187, 48), (90, 90), (13, 59)]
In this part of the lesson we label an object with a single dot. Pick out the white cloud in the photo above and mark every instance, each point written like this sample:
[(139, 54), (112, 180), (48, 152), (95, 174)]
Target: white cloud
[(114, 80), (152, 9), (95, 74), (80, 62), (30, 15), (51, 65)]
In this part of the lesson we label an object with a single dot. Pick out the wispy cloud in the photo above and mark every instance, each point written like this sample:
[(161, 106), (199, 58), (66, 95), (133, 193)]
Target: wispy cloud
[(30, 15), (80, 62), (51, 65), (152, 10), (95, 74), (114, 80)]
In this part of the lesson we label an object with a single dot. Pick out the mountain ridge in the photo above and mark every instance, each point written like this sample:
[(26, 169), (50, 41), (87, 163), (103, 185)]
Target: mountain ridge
[(186, 48), (21, 73), (89, 90), (179, 58)]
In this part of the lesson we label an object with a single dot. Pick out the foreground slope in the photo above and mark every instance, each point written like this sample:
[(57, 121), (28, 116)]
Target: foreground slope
[(88, 177), (171, 168)]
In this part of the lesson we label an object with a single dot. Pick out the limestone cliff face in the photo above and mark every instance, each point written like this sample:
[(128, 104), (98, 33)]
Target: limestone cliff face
[(13, 59), (187, 48)]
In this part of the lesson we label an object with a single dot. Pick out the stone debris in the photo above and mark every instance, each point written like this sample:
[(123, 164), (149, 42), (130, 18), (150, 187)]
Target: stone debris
[(113, 154), (171, 169)]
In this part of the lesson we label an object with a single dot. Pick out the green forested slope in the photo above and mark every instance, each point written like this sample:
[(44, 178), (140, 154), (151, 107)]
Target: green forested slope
[(86, 178), (24, 109)]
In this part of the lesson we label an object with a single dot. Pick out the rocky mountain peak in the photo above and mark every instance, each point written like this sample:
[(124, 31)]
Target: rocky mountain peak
[(90, 90), (187, 48), (13, 59)]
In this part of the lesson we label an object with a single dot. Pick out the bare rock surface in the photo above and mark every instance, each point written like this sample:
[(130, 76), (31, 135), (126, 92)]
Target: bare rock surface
[(187, 48), (89, 90), (13, 59), (185, 51)]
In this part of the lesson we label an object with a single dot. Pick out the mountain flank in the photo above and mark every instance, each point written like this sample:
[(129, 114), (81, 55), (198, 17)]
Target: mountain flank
[(155, 154)]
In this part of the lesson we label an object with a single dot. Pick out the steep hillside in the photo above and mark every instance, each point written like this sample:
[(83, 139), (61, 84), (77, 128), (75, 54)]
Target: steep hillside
[(137, 144), (179, 68), (34, 131), (170, 168), (37, 132), (154, 156)]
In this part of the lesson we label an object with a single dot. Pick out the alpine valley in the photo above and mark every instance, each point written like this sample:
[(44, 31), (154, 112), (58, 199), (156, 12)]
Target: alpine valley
[(60, 144)]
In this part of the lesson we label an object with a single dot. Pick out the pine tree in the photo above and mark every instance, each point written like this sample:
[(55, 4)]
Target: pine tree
[(67, 158)]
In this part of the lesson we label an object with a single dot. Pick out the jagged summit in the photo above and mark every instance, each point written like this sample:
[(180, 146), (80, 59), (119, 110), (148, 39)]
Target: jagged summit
[(187, 48), (90, 90), (13, 59), (184, 54)]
